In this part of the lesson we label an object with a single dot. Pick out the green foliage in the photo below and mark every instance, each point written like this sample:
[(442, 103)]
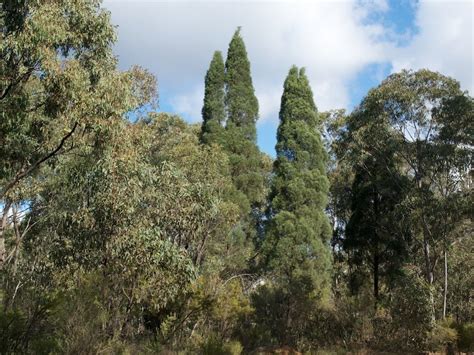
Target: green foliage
[(213, 111), (443, 336), (230, 100), (410, 313), (139, 209), (249, 166), (240, 99), (56, 75), (215, 346), (405, 143), (347, 323), (461, 279), (466, 337), (157, 236), (375, 243), (297, 237), (197, 214)]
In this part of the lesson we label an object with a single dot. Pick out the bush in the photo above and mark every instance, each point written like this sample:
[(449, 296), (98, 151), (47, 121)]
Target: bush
[(466, 337), (410, 314), (442, 336), (215, 345)]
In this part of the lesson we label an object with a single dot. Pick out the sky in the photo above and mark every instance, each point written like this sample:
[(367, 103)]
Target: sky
[(347, 47)]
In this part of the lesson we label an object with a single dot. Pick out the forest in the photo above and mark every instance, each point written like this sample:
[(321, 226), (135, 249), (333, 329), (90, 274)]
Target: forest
[(127, 230)]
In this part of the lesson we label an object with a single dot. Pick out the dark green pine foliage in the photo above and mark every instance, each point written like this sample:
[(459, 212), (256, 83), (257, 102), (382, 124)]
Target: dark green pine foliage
[(297, 241), (245, 158), (376, 240), (230, 98), (213, 111), (241, 102)]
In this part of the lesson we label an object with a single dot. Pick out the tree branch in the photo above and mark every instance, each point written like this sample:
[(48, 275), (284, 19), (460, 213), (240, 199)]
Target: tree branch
[(28, 171)]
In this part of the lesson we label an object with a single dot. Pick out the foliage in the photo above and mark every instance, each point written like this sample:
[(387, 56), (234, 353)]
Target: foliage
[(410, 313), (124, 230), (372, 239), (241, 102), (213, 111), (443, 336), (229, 115), (296, 245), (248, 164), (466, 337)]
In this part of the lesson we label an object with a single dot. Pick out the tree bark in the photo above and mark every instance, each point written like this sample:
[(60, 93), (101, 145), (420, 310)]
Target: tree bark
[(3, 226), (445, 291), (376, 258), (376, 277), (429, 274)]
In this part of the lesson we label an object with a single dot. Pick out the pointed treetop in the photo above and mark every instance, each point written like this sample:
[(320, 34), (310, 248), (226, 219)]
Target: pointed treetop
[(241, 102), (213, 110), (297, 88)]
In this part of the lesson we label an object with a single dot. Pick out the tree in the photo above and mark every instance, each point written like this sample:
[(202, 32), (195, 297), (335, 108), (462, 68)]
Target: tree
[(58, 81), (298, 234), (249, 167), (247, 163), (240, 99), (213, 111), (425, 119), (197, 212), (135, 217), (375, 237)]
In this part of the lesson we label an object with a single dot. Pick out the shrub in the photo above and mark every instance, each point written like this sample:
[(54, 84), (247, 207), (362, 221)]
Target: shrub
[(466, 337), (442, 336)]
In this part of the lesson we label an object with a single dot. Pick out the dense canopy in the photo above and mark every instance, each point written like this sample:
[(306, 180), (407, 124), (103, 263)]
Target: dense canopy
[(128, 230)]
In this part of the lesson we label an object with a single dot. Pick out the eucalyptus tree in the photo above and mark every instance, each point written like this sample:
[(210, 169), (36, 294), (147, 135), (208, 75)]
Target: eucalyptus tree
[(58, 81), (425, 119)]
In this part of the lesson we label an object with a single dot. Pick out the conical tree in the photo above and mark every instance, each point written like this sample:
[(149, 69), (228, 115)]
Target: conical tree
[(247, 162), (297, 241), (241, 102), (238, 108), (213, 111)]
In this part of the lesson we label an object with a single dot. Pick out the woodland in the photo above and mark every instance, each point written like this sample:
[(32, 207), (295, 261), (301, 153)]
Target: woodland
[(126, 230)]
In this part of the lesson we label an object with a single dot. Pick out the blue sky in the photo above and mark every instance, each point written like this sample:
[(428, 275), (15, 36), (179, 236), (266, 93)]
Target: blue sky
[(346, 46)]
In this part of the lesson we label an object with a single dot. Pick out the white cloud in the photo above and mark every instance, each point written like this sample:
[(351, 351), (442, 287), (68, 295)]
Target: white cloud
[(267, 99), (332, 39), (444, 42), (189, 104), (176, 39)]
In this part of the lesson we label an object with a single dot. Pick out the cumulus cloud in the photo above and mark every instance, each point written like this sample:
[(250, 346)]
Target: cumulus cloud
[(176, 39), (189, 104), (444, 42), (334, 40)]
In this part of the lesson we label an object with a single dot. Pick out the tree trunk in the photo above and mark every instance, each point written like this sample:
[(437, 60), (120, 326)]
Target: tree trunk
[(376, 259), (3, 226), (429, 273), (376, 277), (18, 236), (445, 291)]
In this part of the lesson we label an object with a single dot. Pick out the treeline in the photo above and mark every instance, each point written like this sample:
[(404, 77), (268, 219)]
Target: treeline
[(130, 232)]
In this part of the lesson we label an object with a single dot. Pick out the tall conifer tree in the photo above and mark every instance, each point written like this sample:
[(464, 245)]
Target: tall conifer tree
[(297, 241), (241, 102), (213, 111), (230, 98), (247, 162)]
